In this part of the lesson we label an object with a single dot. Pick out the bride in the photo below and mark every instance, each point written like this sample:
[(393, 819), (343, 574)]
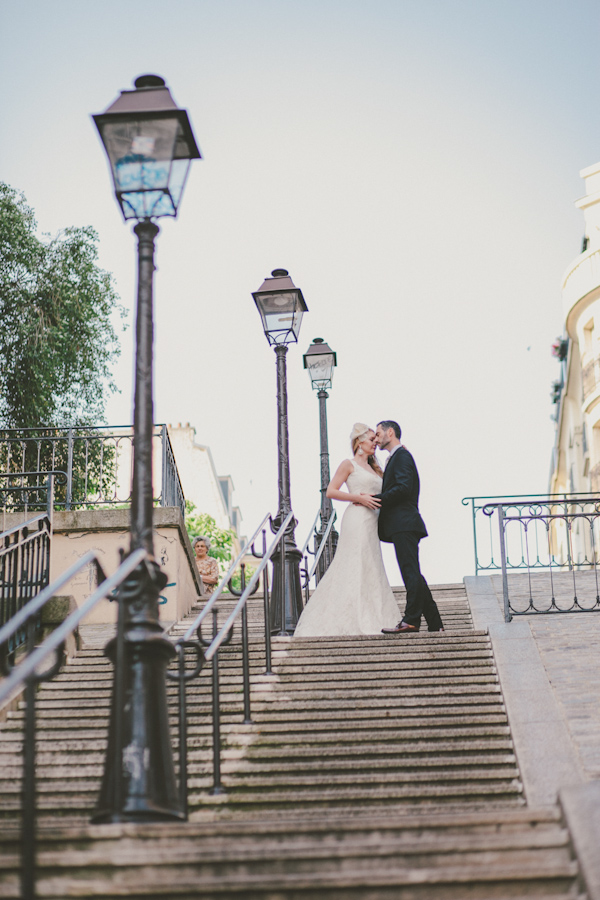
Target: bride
[(354, 595)]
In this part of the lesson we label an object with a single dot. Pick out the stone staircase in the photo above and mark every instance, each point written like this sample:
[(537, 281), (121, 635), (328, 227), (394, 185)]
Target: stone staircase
[(374, 767)]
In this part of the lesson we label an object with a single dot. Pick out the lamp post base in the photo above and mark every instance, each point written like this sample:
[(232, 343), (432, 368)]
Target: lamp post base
[(139, 776), (286, 598)]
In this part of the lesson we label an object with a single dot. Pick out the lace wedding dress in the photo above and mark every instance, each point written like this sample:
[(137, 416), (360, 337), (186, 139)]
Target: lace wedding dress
[(354, 595)]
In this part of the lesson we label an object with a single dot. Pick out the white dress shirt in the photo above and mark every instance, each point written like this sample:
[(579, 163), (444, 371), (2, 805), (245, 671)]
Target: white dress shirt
[(397, 447)]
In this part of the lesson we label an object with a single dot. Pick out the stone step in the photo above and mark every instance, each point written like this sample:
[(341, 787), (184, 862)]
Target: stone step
[(409, 671), (389, 696), (312, 745), (67, 766), (51, 750), (548, 852), (231, 802), (347, 797), (348, 728), (275, 847), (363, 756)]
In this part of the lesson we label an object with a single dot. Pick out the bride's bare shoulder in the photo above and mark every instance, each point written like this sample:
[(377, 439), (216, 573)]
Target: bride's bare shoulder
[(345, 467)]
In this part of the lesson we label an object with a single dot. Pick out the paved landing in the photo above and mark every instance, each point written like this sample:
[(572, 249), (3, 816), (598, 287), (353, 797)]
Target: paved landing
[(550, 676)]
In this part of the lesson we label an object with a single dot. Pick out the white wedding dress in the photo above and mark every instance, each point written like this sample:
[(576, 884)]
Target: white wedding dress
[(354, 596)]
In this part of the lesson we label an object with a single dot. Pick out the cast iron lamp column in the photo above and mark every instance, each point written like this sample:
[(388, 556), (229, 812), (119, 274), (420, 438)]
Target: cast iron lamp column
[(281, 306), (320, 360), (150, 144)]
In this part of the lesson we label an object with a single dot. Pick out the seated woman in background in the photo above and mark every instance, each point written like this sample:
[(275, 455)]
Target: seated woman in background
[(207, 566)]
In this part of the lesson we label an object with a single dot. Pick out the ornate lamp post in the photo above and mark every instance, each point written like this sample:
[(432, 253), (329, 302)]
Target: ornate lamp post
[(320, 360), (150, 144), (281, 307)]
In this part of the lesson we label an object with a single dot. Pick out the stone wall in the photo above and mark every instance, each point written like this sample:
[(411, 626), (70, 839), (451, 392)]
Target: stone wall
[(106, 531)]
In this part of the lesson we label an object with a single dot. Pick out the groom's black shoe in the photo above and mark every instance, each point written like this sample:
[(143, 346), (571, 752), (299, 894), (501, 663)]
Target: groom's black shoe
[(401, 628)]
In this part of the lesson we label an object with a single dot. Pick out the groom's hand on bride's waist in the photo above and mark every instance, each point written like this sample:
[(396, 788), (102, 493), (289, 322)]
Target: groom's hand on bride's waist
[(370, 501)]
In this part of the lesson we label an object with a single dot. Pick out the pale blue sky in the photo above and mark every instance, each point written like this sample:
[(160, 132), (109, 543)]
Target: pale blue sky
[(413, 164)]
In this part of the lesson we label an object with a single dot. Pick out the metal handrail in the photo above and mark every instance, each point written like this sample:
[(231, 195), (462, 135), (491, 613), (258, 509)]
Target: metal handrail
[(26, 673), (322, 544), (311, 532), (28, 524), (55, 476), (221, 637), (478, 504), (524, 498), (56, 638), (218, 640), (35, 605)]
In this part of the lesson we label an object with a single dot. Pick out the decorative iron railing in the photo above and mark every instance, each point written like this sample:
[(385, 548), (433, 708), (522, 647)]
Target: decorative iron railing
[(321, 544), (556, 536), (207, 649), (486, 537), (97, 463), (32, 669), (24, 571)]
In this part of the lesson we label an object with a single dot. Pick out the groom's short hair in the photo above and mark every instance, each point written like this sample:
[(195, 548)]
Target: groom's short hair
[(389, 423)]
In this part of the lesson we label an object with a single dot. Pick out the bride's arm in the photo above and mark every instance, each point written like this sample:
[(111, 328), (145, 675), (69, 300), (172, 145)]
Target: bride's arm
[(334, 492)]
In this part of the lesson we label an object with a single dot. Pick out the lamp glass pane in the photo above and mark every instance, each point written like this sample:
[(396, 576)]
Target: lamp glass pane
[(148, 204), (297, 322), (140, 152), (279, 315), (320, 369), (284, 302)]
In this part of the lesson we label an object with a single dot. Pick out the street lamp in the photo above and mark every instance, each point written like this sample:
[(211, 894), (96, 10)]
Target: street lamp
[(150, 144), (320, 360), (281, 307)]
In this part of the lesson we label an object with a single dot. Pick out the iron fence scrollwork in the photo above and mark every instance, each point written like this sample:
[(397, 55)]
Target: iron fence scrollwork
[(96, 463), (545, 547), (322, 550)]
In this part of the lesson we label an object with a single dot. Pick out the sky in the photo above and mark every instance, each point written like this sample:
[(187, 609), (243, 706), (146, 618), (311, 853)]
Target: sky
[(413, 164)]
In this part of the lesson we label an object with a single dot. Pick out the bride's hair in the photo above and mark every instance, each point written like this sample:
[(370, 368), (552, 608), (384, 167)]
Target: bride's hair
[(357, 435)]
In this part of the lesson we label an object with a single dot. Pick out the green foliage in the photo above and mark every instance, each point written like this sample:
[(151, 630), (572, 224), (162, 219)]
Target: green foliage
[(221, 539), (57, 339)]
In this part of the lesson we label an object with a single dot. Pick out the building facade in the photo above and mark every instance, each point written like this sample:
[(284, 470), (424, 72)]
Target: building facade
[(576, 457), (209, 492)]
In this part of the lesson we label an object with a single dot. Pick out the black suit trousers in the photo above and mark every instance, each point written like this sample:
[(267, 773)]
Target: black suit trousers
[(419, 601)]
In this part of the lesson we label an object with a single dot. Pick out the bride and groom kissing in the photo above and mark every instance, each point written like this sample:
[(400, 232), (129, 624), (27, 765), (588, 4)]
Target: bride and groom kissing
[(354, 596)]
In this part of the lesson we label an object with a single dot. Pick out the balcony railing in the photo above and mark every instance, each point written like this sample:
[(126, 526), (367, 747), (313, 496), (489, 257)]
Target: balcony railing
[(97, 463)]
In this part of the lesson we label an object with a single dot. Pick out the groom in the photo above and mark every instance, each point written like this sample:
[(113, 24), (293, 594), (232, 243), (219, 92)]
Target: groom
[(400, 524)]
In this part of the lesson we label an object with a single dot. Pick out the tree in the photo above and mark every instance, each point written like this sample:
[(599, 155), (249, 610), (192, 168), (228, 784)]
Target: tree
[(57, 339)]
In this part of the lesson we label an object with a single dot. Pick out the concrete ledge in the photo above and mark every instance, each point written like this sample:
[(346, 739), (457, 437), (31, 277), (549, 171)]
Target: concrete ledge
[(547, 758), (581, 812)]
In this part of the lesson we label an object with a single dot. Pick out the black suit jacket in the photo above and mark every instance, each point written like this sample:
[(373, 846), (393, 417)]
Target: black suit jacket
[(400, 498)]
